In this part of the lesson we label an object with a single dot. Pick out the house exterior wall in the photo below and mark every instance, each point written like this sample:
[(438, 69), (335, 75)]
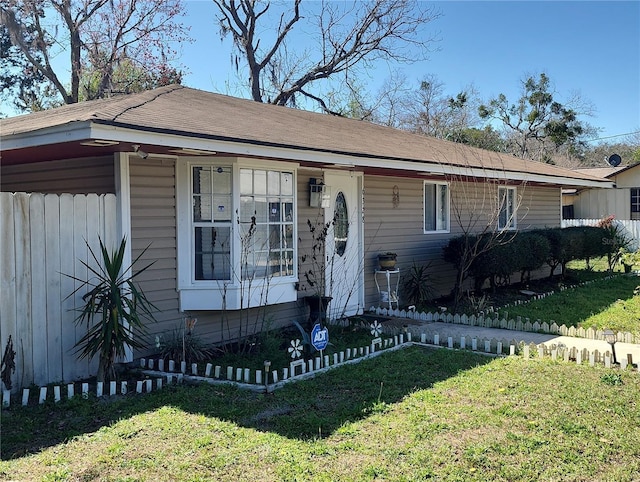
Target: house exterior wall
[(388, 226), (400, 229), (73, 176), (599, 203), (153, 225), (627, 178)]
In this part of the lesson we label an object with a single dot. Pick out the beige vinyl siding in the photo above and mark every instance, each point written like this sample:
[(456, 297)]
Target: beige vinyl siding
[(540, 207), (599, 203), (400, 229), (306, 214), (73, 176), (153, 225), (627, 178)]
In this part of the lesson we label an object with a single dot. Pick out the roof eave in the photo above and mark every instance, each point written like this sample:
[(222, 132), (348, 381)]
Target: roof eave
[(82, 130)]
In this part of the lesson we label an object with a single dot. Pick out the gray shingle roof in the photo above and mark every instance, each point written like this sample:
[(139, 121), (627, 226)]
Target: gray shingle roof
[(194, 113)]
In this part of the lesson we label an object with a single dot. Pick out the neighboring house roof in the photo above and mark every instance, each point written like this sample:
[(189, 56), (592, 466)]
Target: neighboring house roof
[(601, 171), (606, 172), (178, 117)]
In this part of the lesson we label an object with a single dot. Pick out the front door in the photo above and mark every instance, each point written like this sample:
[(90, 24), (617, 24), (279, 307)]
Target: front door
[(344, 245)]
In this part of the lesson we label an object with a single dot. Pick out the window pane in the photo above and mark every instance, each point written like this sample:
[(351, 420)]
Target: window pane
[(201, 180), (429, 207), (261, 210), (635, 200), (247, 209), (340, 225), (503, 219), (259, 182), (287, 238), (212, 253), (259, 241), (222, 207), (286, 183), (246, 181), (287, 263), (222, 180), (201, 183), (201, 208), (506, 197), (275, 267), (273, 182), (274, 237), (443, 207), (288, 212), (274, 211)]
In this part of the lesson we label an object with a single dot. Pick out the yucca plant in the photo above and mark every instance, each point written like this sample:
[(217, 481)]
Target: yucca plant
[(184, 345), (417, 286), (114, 310)]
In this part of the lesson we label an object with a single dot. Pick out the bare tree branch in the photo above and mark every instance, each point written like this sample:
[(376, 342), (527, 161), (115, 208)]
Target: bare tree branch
[(97, 35), (347, 36)]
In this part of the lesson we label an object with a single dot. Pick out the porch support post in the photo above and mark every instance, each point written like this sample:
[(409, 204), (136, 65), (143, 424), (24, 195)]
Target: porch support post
[(123, 203)]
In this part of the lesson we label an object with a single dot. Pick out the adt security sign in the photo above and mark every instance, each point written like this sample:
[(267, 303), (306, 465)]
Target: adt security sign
[(319, 337)]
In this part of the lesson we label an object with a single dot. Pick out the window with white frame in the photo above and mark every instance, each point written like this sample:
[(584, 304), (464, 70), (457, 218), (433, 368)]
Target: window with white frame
[(507, 205), (635, 203), (236, 228), (436, 207)]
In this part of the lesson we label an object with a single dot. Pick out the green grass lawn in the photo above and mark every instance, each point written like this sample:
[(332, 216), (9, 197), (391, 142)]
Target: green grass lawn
[(604, 303), (408, 415), (413, 414)]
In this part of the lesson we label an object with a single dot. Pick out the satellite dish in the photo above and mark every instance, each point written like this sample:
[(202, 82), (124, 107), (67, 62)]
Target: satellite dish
[(614, 160)]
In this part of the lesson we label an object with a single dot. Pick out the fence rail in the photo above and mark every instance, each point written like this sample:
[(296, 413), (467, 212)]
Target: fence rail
[(44, 238)]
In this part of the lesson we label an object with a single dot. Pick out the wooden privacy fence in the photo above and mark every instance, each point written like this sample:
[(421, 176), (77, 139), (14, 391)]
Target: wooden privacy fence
[(43, 238)]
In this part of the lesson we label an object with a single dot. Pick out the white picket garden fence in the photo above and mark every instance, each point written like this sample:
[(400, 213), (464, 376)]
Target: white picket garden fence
[(495, 321), (159, 373), (43, 238)]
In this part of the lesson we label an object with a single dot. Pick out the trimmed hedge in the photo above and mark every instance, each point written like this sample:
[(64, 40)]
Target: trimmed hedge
[(498, 257)]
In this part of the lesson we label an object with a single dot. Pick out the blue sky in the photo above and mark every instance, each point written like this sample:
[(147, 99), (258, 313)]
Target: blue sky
[(588, 47)]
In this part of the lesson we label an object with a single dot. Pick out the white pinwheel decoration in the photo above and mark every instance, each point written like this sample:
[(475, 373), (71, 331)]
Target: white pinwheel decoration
[(376, 328), (295, 349)]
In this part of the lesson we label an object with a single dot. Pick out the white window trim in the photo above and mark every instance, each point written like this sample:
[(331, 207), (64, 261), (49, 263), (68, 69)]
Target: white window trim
[(513, 216), (226, 294), (631, 196), (447, 229)]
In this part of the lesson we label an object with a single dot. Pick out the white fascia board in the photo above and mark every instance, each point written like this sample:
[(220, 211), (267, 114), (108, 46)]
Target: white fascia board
[(52, 135), (324, 158)]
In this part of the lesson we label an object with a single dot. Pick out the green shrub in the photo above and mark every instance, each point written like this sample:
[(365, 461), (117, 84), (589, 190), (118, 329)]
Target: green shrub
[(533, 249), (497, 257), (496, 264)]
